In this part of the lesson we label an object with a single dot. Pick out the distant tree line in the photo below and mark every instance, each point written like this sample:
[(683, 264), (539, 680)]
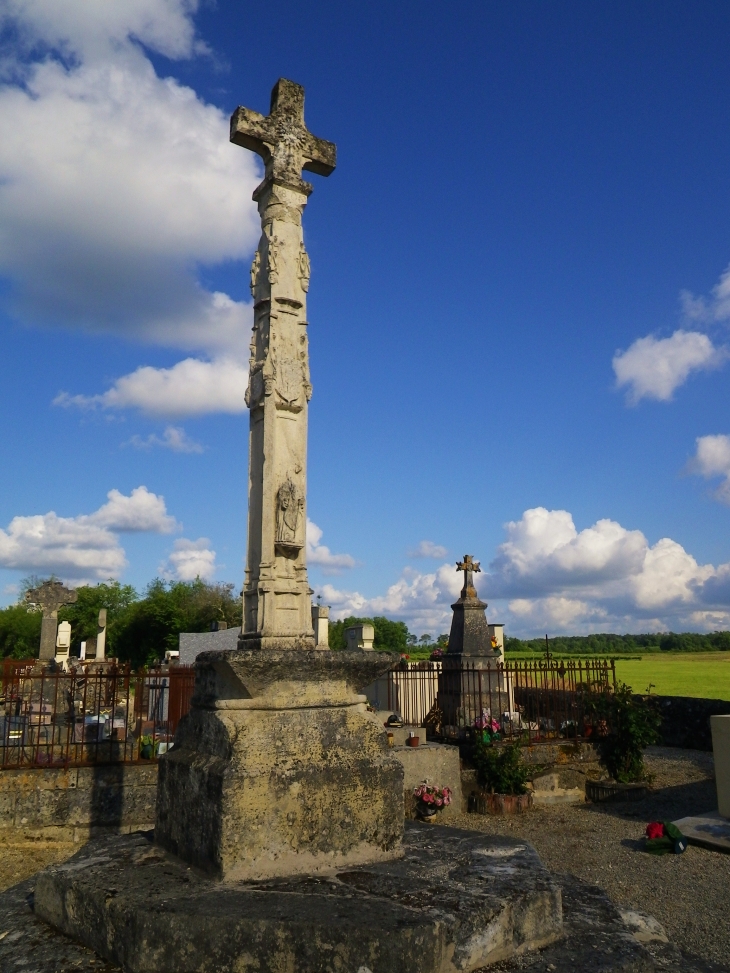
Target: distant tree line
[(139, 629), (608, 645)]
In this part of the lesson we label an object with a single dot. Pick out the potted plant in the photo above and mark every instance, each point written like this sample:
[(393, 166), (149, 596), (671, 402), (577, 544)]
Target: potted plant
[(430, 800), (624, 724), (486, 728), (502, 778)]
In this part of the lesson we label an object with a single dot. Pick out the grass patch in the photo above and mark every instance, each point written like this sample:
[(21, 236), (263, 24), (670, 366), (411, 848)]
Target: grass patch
[(703, 674)]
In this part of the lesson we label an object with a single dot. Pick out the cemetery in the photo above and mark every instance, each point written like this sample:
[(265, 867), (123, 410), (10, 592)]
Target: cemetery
[(261, 802)]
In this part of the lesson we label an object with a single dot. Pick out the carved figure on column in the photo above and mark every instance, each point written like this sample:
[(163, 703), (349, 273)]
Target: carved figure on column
[(304, 269), (255, 268), (290, 503)]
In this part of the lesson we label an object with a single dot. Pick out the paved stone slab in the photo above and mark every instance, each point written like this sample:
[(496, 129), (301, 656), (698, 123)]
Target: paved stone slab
[(709, 830), (457, 900)]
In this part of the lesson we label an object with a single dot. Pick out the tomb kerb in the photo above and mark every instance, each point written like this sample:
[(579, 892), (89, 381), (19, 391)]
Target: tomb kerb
[(279, 768), (51, 595)]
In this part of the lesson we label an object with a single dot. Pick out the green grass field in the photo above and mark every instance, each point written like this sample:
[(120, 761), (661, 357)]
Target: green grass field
[(705, 674)]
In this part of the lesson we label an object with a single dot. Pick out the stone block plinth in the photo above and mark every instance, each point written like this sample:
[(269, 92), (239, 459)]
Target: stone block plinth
[(279, 768), (455, 902)]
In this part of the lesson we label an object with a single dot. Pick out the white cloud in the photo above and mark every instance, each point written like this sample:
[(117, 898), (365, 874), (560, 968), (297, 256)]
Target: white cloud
[(141, 511), (174, 438), (190, 560), (713, 459), (321, 556), (548, 576), (653, 368), (716, 309), (103, 225), (190, 388), (428, 549), (85, 547)]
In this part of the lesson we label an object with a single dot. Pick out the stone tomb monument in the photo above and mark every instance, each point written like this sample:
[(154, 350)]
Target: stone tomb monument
[(279, 841), (51, 596), (472, 678)]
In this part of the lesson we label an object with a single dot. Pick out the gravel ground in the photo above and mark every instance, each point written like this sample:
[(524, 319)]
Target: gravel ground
[(601, 843), (19, 859)]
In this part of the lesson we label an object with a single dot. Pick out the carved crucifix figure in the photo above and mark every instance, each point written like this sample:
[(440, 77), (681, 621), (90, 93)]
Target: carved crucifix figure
[(470, 567), (51, 596), (276, 592)]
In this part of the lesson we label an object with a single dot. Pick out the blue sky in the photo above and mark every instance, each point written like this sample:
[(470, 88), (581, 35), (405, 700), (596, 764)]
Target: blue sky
[(518, 311)]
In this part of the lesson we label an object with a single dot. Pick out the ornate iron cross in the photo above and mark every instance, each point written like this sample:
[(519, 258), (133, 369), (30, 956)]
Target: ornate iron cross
[(282, 140)]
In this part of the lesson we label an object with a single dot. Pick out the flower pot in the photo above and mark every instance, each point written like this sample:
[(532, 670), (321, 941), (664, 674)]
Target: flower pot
[(412, 741), (481, 802), (426, 812)]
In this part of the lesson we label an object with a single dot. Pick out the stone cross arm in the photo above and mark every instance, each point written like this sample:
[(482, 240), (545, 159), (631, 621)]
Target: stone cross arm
[(51, 596), (468, 564), (281, 138)]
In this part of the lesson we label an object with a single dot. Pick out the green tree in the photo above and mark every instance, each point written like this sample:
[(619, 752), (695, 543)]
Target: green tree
[(152, 625), (84, 613), (20, 632), (389, 636)]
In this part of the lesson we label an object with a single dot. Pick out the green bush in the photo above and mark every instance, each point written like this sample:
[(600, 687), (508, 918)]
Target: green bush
[(499, 769), (632, 724)]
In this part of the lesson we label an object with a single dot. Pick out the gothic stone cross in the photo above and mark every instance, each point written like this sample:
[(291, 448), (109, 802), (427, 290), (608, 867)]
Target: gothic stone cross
[(51, 596), (282, 140), (468, 566)]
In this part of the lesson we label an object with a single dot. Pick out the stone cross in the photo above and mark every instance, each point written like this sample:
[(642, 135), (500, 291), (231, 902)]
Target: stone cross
[(470, 567), (51, 596), (276, 592)]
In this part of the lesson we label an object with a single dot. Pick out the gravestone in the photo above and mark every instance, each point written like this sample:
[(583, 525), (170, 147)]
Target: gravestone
[(51, 596), (101, 636), (360, 636), (320, 621), (63, 642)]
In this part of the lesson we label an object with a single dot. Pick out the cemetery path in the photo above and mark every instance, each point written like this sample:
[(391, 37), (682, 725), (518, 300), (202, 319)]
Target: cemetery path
[(601, 844)]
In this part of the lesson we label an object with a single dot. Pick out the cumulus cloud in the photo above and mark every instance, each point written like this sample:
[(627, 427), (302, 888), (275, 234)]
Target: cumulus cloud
[(190, 560), (85, 547), (712, 459), (548, 576), (321, 556), (173, 438), (653, 368), (190, 388), (717, 308), (428, 549), (103, 225)]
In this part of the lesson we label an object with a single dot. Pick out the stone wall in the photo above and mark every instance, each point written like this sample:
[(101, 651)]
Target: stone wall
[(72, 804), (686, 720)]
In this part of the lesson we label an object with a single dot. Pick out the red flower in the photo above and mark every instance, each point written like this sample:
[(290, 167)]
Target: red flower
[(655, 830)]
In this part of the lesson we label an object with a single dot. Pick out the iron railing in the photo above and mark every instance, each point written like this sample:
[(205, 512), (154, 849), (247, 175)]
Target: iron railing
[(94, 714), (530, 700)]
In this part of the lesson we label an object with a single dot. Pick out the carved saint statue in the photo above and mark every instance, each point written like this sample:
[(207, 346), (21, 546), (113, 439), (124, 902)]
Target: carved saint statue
[(255, 267), (290, 503), (273, 260), (304, 268)]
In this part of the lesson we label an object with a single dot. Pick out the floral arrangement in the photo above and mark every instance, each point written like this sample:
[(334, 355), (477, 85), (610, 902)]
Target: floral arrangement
[(485, 722), (435, 797)]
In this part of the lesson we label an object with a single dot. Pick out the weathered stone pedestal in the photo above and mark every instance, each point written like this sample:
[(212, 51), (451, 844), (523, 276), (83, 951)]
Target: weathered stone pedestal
[(455, 902), (279, 768)]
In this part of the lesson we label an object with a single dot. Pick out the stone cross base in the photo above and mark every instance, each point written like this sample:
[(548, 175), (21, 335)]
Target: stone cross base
[(279, 768)]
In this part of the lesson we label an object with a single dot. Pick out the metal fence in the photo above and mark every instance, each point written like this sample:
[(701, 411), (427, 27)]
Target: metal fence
[(530, 700), (92, 714)]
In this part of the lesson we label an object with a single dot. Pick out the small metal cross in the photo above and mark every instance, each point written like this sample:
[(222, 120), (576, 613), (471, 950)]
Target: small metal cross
[(282, 139)]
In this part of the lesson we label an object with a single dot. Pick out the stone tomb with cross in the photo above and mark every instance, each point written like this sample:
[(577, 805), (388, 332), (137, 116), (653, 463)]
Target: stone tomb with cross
[(279, 841), (50, 596), (472, 679)]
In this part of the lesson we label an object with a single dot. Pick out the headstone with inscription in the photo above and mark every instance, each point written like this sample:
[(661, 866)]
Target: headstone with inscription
[(50, 596)]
